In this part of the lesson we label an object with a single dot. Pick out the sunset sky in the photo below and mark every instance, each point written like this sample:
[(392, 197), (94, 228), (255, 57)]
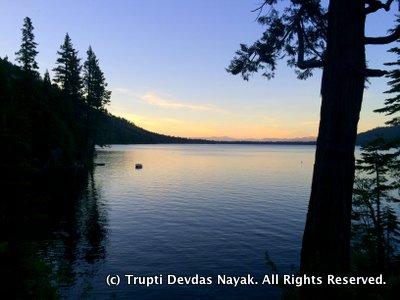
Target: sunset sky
[(165, 64)]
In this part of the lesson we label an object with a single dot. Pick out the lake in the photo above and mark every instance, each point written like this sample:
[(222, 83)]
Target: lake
[(193, 211)]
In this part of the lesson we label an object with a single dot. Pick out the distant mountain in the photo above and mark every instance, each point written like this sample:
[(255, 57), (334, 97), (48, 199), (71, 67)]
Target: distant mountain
[(363, 138), (219, 138), (388, 133), (306, 139), (264, 140)]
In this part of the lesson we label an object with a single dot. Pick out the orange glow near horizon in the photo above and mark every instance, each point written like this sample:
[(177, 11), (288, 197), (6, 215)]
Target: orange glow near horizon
[(212, 129), (245, 131)]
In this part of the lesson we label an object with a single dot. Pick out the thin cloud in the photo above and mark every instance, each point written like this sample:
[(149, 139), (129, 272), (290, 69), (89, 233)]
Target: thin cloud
[(121, 90), (156, 100)]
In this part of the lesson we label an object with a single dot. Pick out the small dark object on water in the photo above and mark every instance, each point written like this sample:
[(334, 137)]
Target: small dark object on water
[(100, 164), (138, 166)]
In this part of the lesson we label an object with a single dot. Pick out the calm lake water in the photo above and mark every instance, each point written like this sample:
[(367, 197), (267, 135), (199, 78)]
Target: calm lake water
[(204, 210)]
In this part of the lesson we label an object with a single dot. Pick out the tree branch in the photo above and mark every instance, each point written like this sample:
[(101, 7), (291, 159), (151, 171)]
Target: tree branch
[(260, 9), (374, 5), (308, 64), (375, 73), (383, 40), (309, 44)]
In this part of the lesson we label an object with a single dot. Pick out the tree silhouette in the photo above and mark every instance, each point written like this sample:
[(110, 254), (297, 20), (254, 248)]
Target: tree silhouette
[(68, 70), (331, 38), (44, 156), (27, 54), (392, 105), (376, 223), (96, 96), (46, 78), (94, 82)]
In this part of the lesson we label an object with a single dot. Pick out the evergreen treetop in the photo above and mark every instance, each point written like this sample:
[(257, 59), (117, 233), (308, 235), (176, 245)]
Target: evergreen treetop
[(96, 94), (46, 78), (27, 54), (392, 105), (68, 70)]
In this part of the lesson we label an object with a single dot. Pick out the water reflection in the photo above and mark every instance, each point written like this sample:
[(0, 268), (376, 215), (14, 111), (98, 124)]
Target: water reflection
[(79, 243)]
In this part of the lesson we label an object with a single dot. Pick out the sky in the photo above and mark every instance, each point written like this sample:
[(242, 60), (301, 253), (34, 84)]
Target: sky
[(165, 62)]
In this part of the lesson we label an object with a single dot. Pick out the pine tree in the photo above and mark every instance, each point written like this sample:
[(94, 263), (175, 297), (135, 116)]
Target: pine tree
[(68, 70), (46, 78), (96, 94), (392, 105), (375, 222), (27, 54)]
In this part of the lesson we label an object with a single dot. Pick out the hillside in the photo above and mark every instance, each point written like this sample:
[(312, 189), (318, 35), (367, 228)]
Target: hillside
[(116, 130), (388, 133)]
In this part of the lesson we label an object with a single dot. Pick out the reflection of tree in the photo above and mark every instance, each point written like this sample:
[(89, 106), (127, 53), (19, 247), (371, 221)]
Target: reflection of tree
[(94, 232), (79, 242)]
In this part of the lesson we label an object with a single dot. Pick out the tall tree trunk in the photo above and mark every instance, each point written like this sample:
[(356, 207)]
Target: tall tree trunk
[(326, 239)]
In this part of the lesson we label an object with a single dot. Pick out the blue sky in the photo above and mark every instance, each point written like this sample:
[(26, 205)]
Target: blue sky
[(165, 64)]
